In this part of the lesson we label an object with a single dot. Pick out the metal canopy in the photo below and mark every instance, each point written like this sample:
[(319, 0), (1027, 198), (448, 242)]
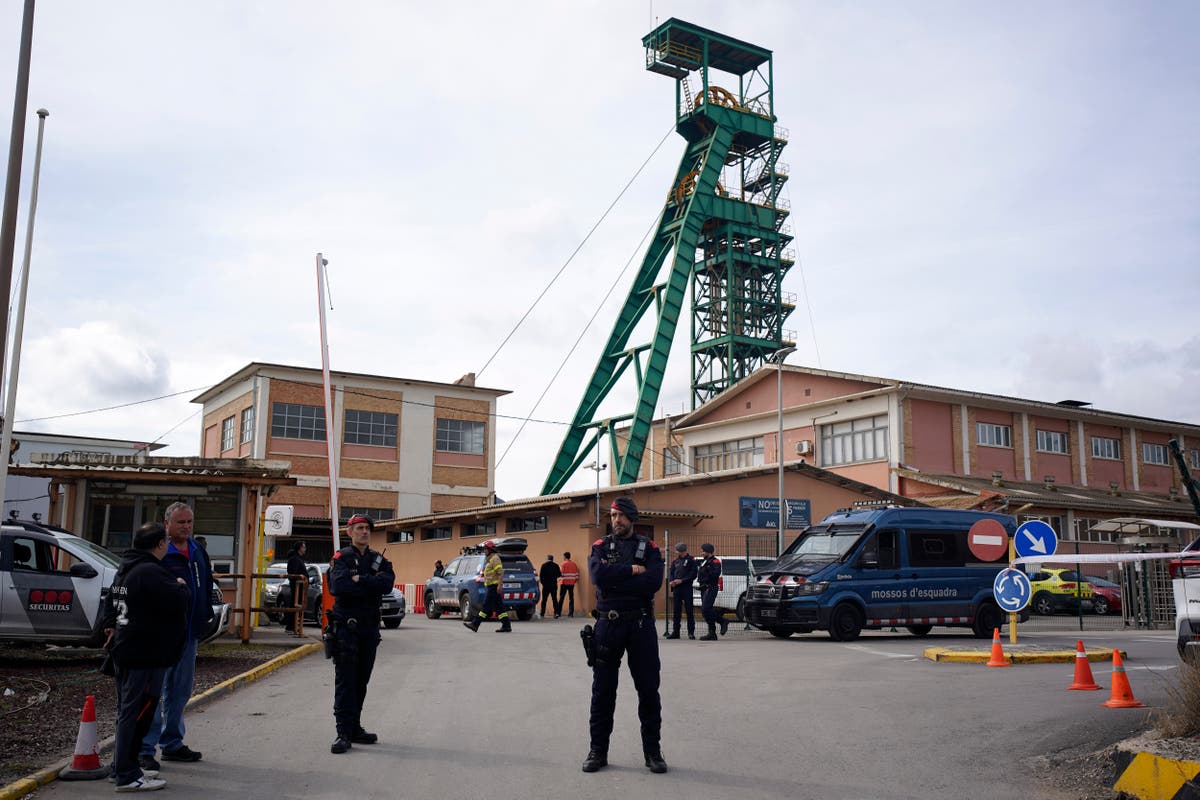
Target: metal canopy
[(724, 52)]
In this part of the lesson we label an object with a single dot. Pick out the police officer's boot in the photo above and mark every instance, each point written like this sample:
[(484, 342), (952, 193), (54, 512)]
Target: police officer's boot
[(724, 625), (506, 627), (711, 636), (672, 635), (595, 760), (655, 762), (473, 624)]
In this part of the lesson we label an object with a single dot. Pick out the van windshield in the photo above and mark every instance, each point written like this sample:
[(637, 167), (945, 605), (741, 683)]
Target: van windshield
[(825, 543)]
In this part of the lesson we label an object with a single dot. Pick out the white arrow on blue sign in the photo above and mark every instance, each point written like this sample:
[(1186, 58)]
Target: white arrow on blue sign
[(1035, 538), (1011, 589)]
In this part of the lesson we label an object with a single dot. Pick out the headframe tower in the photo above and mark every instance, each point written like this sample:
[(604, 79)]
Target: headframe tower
[(723, 229)]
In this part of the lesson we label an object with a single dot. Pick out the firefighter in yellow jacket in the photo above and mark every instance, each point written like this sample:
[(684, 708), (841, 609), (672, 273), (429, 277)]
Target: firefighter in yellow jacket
[(493, 577)]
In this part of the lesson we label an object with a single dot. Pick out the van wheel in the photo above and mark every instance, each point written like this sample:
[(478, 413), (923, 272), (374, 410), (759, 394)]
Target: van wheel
[(431, 609), (779, 633), (845, 623), (988, 618), (919, 630), (464, 606), (740, 611)]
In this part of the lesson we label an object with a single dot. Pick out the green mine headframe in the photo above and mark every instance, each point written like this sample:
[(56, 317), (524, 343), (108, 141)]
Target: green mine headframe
[(723, 227)]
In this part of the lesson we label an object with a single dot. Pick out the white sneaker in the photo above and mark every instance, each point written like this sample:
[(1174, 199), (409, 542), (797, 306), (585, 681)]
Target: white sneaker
[(143, 784)]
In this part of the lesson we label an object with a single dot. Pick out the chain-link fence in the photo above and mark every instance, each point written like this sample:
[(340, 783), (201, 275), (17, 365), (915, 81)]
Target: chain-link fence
[(741, 554)]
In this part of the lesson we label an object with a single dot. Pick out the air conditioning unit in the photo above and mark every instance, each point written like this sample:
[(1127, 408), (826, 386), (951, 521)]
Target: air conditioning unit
[(803, 447), (278, 520)]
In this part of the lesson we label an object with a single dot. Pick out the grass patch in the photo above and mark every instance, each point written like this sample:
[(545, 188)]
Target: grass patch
[(1181, 716)]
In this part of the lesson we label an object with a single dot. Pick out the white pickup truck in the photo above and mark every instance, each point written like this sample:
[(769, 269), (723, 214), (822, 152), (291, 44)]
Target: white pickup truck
[(54, 587), (732, 595)]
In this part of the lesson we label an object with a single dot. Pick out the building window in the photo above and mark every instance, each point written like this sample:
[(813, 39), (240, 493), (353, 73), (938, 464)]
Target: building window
[(855, 440), (227, 433), (729, 455), (1106, 448), (376, 514), (371, 427), (438, 532), (991, 435), (524, 524), (295, 421), (672, 465), (399, 537), (1154, 453), (1195, 457), (460, 436), (247, 424), (1051, 442), (478, 529), (1083, 531)]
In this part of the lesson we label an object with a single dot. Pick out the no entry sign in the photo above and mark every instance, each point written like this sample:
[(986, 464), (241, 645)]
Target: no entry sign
[(987, 540)]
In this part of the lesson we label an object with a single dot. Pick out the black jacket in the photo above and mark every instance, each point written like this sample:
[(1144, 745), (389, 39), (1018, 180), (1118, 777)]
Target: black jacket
[(149, 610), (296, 566), (683, 569), (708, 572), (359, 599), (549, 573), (617, 588)]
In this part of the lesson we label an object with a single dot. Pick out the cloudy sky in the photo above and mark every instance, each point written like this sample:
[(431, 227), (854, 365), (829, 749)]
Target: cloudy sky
[(995, 197)]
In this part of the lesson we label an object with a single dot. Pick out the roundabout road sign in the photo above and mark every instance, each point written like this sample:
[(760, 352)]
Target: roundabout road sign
[(1011, 589), (1035, 538)]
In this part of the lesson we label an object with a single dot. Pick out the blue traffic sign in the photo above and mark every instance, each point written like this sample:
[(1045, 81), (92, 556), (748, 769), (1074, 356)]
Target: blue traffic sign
[(1011, 589), (1035, 538)]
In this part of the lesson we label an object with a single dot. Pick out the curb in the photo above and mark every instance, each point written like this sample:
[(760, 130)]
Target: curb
[(942, 654), (1149, 777), (23, 786)]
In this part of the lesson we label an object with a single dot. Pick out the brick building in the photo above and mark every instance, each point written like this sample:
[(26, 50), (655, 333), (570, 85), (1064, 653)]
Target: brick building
[(405, 446)]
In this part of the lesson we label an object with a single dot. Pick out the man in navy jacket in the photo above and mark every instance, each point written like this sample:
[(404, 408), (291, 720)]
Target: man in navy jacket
[(187, 560)]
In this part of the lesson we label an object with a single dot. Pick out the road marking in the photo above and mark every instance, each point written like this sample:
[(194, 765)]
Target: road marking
[(884, 653)]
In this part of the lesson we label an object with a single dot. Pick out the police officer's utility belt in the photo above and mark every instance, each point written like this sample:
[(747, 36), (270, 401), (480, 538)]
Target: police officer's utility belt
[(624, 615)]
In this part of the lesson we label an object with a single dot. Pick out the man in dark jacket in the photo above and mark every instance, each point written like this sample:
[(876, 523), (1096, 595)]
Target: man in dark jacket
[(548, 576), (188, 561), (146, 623), (296, 565), (708, 575), (359, 577), (680, 579)]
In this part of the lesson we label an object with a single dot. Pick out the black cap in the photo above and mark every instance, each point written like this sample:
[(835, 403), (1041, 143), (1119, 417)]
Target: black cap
[(681, 548), (627, 507), (706, 547)]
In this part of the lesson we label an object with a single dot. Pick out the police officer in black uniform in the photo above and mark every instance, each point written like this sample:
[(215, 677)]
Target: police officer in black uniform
[(708, 574), (626, 570), (359, 577), (680, 578)]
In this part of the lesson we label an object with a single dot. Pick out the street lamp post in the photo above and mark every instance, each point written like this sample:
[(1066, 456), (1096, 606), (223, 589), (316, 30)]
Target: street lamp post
[(779, 356), (598, 467)]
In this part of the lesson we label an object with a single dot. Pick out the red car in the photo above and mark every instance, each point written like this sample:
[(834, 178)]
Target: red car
[(1106, 596)]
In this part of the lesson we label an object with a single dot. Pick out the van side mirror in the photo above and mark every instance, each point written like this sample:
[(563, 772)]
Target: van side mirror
[(81, 569)]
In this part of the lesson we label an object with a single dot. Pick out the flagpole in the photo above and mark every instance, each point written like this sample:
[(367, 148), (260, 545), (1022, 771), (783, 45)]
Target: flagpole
[(329, 431)]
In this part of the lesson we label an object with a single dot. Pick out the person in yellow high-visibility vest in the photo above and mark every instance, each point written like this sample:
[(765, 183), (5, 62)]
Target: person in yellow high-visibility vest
[(493, 576)]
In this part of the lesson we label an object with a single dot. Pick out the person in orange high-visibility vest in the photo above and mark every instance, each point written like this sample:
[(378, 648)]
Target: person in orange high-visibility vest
[(570, 577)]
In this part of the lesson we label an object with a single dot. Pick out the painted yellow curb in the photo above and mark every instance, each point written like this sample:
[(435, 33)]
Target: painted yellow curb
[(1151, 777), (23, 786), (950, 656)]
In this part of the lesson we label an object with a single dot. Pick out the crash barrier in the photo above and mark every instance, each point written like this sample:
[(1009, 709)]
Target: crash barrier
[(85, 764), (414, 594)]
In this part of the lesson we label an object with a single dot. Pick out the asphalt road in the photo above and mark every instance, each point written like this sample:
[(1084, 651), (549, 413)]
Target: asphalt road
[(505, 716)]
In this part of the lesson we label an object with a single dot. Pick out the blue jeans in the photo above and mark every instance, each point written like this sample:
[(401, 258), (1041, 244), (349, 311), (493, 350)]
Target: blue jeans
[(167, 729)]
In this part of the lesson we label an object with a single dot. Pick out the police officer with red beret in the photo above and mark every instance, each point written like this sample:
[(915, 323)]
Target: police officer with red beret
[(627, 571)]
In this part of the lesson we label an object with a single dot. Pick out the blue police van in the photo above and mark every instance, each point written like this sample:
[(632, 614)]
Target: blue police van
[(880, 568)]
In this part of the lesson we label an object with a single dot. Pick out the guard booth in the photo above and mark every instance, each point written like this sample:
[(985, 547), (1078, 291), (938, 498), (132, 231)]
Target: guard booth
[(1147, 597)]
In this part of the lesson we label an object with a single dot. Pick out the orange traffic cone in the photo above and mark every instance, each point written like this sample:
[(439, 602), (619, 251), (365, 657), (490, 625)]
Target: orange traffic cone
[(997, 659), (85, 764), (1122, 695), (1083, 670)]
